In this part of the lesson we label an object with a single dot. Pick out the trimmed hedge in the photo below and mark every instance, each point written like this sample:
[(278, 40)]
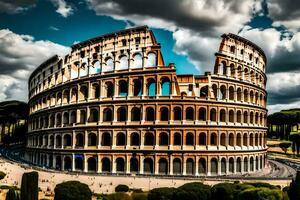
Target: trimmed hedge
[(72, 190), (261, 194), (29, 186), (139, 196), (163, 193), (121, 188), (224, 191), (194, 190)]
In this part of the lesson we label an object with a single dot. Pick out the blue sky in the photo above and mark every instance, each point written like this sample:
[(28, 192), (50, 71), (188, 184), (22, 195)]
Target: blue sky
[(188, 30)]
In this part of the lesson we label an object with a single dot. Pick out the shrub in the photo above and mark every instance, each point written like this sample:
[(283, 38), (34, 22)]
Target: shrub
[(139, 196), (225, 191), (261, 194), (262, 184), (12, 195), (122, 188), (284, 146), (72, 190), (29, 186), (195, 191), (163, 193), (118, 196), (294, 191), (2, 175)]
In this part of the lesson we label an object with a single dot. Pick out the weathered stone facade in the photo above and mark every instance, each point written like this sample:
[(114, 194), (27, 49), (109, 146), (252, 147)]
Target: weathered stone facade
[(113, 106)]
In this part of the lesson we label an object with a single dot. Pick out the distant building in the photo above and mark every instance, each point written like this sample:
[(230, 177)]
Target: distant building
[(113, 106)]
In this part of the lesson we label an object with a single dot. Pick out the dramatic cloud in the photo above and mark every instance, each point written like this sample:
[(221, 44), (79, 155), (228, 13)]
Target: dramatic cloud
[(16, 6), (19, 56), (63, 8), (285, 12)]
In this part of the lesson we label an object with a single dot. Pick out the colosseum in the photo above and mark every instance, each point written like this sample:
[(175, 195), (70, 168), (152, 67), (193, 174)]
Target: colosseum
[(112, 106)]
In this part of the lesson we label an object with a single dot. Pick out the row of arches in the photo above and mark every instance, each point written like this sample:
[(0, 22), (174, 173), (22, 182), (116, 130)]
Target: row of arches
[(138, 114), (79, 140), (149, 165)]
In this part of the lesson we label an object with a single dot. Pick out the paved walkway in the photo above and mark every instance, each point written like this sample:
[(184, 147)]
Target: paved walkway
[(106, 184)]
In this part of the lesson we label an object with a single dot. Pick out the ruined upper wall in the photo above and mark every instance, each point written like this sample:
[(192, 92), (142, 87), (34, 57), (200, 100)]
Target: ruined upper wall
[(129, 49)]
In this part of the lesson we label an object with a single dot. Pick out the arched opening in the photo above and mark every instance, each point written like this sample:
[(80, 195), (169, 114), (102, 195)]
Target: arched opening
[(176, 166), (245, 139), (163, 139), (92, 139), (223, 166), (223, 140), (123, 88), (134, 139), (73, 117), (246, 95), (123, 63), (177, 113), (189, 114), (83, 95), (109, 89), (121, 139), (231, 165), (238, 116), (213, 115), (215, 91), (107, 115), (79, 158), (149, 139), (202, 139), (222, 115), (251, 139), (109, 65), (74, 95), (92, 164), (231, 139), (238, 165), (137, 87), (106, 139), (151, 88), (163, 166), (137, 61), (66, 118), (239, 140), (190, 169), (239, 94), (135, 114), (148, 166), (245, 164), (106, 166), (150, 114), (213, 139), (58, 162), (164, 114), (67, 141), (58, 119), (251, 164), (245, 117), (95, 91), (58, 141), (190, 139), (223, 92), (231, 116), (134, 165), (94, 115), (202, 114), (151, 60), (67, 163), (82, 117), (122, 114), (231, 93), (202, 166), (204, 92), (177, 139), (120, 165), (214, 166), (66, 96), (165, 87), (79, 140)]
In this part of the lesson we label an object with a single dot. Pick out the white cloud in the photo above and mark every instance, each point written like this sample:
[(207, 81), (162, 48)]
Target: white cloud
[(19, 56), (16, 6), (63, 8)]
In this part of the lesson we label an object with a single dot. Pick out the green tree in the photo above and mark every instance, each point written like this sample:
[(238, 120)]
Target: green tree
[(163, 193), (122, 188), (284, 146), (224, 191), (261, 194), (195, 191), (29, 186), (72, 190)]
